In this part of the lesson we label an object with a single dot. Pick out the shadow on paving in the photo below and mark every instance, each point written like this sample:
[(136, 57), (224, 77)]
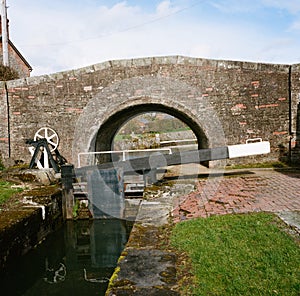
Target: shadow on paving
[(206, 175), (290, 172)]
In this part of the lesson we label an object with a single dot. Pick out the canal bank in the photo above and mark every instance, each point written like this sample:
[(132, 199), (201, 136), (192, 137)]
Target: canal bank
[(27, 219), (148, 264), (31, 216), (41, 254), (77, 259)]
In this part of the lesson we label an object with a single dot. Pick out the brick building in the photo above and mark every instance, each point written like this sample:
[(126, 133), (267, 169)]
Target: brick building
[(16, 59)]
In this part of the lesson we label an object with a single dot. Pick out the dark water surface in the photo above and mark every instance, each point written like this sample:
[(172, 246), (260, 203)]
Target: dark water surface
[(76, 260)]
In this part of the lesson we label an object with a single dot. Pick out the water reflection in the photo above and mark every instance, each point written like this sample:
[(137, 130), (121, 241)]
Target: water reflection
[(76, 260)]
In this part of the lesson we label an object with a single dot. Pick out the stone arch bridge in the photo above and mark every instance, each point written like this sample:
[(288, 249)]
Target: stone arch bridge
[(224, 103)]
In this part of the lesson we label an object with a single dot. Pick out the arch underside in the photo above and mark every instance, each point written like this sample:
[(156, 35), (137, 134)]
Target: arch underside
[(105, 136)]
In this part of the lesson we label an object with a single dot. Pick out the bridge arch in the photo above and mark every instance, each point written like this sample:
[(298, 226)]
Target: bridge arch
[(111, 127), (98, 124)]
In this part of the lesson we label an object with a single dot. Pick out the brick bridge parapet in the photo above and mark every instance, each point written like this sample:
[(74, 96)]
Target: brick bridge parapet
[(224, 102)]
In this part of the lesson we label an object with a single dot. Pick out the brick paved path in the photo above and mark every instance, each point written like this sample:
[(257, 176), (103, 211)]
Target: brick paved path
[(258, 190)]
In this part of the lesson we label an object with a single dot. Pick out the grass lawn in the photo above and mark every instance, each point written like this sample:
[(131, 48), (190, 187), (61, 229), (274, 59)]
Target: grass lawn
[(6, 191), (275, 165), (240, 255)]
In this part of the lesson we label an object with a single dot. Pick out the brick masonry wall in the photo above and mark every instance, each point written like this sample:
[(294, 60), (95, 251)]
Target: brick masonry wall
[(295, 117), (15, 62), (248, 100), (3, 123)]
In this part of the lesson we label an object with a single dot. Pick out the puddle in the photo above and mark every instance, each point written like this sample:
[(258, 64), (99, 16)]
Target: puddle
[(76, 260)]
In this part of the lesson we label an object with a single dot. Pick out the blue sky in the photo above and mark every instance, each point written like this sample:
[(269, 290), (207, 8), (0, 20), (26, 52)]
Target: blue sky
[(62, 35)]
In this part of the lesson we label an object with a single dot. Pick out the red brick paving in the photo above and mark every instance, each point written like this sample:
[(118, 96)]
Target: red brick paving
[(261, 190)]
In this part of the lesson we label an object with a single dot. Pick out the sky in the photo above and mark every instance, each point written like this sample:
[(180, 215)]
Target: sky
[(57, 35)]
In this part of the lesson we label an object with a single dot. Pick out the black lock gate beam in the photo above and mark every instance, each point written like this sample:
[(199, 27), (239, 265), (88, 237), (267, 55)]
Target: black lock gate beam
[(193, 156)]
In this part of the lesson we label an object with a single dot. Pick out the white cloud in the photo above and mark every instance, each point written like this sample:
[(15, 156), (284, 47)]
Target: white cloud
[(235, 6), (292, 6), (295, 26), (63, 38), (165, 8)]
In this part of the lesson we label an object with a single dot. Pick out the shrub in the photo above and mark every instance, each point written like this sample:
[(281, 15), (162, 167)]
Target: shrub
[(7, 73)]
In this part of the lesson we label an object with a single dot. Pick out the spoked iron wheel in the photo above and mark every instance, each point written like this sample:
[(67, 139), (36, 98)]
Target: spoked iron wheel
[(50, 135), (52, 139)]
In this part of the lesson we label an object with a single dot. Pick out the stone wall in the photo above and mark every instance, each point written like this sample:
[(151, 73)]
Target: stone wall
[(23, 227), (224, 102), (295, 117), (4, 146)]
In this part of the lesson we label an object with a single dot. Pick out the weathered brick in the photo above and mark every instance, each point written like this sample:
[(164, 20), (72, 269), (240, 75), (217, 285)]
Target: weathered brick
[(207, 92)]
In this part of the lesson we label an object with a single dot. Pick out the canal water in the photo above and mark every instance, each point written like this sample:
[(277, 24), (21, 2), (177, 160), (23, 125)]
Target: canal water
[(78, 259)]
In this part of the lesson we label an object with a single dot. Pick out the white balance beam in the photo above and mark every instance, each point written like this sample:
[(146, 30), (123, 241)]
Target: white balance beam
[(249, 149)]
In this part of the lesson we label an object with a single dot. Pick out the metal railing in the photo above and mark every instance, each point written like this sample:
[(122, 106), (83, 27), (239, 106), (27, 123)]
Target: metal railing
[(121, 155), (184, 141)]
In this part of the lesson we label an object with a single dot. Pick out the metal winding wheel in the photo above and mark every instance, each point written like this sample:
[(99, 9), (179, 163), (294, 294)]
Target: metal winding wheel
[(52, 139), (50, 135)]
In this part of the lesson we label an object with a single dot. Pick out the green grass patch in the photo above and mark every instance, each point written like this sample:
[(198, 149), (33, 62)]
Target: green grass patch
[(6, 191), (240, 255), (276, 164)]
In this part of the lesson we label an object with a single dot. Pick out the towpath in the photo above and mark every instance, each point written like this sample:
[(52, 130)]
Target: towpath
[(243, 191), (188, 192)]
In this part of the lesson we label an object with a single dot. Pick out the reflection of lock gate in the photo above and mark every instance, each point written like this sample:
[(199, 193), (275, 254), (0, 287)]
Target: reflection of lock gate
[(96, 174), (53, 276)]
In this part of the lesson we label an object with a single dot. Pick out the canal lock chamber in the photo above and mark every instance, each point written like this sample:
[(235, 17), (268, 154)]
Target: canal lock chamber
[(77, 259)]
